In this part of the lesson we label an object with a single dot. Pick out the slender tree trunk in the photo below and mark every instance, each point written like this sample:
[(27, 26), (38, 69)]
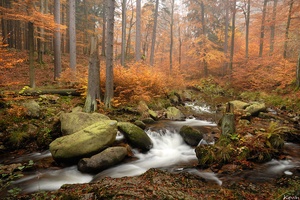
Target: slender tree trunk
[(31, 54), (154, 33), (225, 66), (109, 84), (272, 36), (94, 78), (138, 31), (232, 37), (103, 45), (205, 68), (72, 34), (180, 46), (298, 72), (123, 33), (41, 36), (57, 41), (262, 29), (129, 35), (247, 28), (171, 35), (287, 29)]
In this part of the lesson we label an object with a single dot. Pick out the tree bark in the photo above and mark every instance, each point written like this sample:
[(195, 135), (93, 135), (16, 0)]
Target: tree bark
[(41, 36), (262, 29), (72, 34), (123, 33), (225, 66), (272, 36), (227, 122), (31, 54), (288, 28), (298, 72), (94, 78), (103, 45), (138, 31), (171, 35), (247, 28), (154, 33), (232, 37), (109, 83), (57, 41)]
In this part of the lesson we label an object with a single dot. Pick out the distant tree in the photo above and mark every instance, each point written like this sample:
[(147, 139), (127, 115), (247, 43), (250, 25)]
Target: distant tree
[(171, 34), (298, 72), (109, 83), (154, 33), (72, 34), (262, 28), (93, 92), (272, 35), (57, 41), (138, 31), (232, 36), (103, 45), (291, 2), (123, 32), (41, 46), (31, 54)]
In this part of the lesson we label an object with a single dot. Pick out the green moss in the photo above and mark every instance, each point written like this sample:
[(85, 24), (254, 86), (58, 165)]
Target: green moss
[(16, 138)]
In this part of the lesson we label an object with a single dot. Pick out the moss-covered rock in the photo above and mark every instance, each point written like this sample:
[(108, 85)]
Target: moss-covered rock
[(135, 136), (76, 121), (84, 143), (190, 135), (103, 160), (174, 113)]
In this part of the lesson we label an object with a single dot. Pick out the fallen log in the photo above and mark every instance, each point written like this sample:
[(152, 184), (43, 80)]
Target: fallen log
[(36, 92)]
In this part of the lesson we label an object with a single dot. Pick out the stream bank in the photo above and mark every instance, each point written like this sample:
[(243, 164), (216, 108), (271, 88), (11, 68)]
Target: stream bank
[(163, 184)]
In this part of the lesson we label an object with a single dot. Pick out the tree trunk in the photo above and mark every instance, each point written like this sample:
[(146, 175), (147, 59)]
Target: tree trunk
[(31, 54), (180, 46), (57, 41), (232, 37), (41, 36), (262, 29), (247, 28), (109, 83), (272, 36), (226, 36), (171, 35), (298, 72), (154, 33), (205, 68), (72, 34), (227, 122), (138, 31), (287, 29), (103, 45), (94, 78), (123, 33)]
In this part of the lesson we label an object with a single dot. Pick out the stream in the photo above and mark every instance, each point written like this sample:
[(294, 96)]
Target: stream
[(169, 153)]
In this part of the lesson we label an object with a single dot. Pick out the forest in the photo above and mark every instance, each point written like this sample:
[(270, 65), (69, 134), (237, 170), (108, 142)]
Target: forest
[(122, 58)]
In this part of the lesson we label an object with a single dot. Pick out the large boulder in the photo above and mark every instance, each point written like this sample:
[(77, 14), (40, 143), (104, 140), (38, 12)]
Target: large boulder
[(103, 160), (135, 136), (76, 121), (174, 113), (32, 109), (239, 105), (84, 143), (190, 135), (255, 108)]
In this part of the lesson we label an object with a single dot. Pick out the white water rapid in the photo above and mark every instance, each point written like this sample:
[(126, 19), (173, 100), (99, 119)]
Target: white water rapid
[(169, 152)]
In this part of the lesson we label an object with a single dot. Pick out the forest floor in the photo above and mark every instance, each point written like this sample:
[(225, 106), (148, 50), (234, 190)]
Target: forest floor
[(154, 184)]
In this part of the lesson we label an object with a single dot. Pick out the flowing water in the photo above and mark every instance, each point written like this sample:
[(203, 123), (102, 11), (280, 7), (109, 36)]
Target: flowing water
[(169, 152)]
